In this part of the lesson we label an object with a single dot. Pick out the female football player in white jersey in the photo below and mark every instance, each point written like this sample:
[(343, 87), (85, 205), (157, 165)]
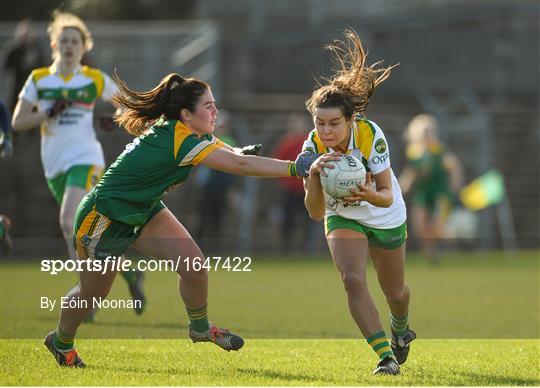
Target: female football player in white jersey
[(371, 221), (61, 99)]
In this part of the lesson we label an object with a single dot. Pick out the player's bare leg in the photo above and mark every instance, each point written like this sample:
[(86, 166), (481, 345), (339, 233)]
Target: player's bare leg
[(390, 267), (349, 251), (164, 237)]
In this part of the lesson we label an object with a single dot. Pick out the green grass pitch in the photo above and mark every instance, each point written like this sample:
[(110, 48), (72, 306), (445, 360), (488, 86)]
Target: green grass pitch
[(476, 316)]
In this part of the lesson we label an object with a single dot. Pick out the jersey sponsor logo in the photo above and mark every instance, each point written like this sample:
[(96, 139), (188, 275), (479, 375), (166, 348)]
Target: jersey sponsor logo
[(380, 146), (352, 204), (380, 159)]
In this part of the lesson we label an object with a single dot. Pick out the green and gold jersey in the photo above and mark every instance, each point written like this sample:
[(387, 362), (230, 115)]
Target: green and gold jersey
[(431, 174), (148, 168)]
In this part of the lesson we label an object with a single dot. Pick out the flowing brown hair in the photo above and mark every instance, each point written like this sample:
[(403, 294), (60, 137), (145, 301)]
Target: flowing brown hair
[(353, 82), (168, 98)]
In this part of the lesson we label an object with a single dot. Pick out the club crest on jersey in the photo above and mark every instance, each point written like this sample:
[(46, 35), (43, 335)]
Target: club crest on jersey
[(380, 146)]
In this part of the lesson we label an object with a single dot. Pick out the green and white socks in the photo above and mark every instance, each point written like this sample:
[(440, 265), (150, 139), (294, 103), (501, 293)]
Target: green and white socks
[(198, 319), (400, 325)]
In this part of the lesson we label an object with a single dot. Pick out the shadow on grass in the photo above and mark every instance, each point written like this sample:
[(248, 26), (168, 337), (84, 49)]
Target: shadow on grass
[(120, 324), (275, 375), (489, 379)]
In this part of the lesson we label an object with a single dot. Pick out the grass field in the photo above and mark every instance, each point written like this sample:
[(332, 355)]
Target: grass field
[(477, 318)]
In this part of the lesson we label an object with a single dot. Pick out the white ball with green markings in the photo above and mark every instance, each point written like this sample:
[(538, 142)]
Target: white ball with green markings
[(347, 173)]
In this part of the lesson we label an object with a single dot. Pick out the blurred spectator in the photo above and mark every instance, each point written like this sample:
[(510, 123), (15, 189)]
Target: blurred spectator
[(294, 219), (24, 54), (434, 175), (6, 146), (5, 239), (214, 189)]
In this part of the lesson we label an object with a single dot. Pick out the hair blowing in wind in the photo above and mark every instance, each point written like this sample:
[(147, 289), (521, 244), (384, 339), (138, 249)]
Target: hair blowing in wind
[(353, 79)]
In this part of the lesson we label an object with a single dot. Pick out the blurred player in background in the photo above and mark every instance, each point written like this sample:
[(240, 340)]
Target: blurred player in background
[(294, 218), (174, 123), (6, 144), (61, 99), (372, 221), (23, 55), (214, 188), (6, 151), (435, 176)]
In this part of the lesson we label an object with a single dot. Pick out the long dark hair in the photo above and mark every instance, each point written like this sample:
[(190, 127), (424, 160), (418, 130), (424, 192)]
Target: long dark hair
[(353, 82), (168, 98)]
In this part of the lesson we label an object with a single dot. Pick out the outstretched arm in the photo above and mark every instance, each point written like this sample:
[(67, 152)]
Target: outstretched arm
[(230, 162)]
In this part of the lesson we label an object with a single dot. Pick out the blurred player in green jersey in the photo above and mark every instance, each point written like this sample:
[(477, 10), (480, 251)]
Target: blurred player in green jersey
[(434, 175)]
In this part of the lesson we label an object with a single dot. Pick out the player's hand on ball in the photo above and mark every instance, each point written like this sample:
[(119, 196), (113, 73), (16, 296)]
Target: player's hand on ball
[(254, 149), (364, 192), (324, 161), (303, 162)]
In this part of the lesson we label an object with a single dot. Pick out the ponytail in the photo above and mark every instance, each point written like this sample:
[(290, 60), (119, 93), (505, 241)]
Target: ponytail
[(168, 98)]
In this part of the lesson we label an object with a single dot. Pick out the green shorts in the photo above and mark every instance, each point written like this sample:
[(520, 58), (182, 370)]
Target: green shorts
[(379, 238), (439, 201), (96, 236), (83, 176)]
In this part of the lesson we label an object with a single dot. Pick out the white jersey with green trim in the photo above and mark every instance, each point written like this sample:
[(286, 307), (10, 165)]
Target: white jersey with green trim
[(68, 139), (369, 145)]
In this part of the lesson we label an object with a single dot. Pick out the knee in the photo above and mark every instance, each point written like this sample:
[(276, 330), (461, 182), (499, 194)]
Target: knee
[(192, 269), (397, 296), (354, 284)]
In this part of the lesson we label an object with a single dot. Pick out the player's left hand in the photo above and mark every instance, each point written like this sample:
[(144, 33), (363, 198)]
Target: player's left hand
[(254, 149), (6, 146), (364, 192), (106, 123)]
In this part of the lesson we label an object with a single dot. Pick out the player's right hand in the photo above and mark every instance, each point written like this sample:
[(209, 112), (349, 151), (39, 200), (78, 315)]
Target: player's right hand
[(58, 107)]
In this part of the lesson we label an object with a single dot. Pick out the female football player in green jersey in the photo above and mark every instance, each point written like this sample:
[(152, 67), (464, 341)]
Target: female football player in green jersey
[(435, 176), (174, 124), (371, 221), (61, 100)]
